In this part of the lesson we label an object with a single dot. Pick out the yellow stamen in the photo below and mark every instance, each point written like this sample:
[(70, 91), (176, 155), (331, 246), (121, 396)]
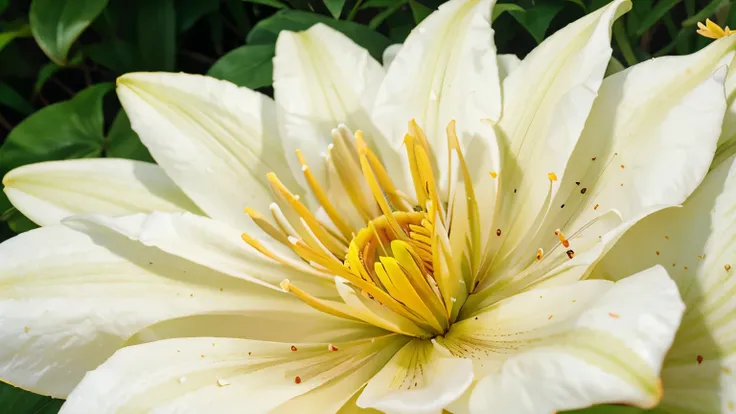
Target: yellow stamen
[(713, 31), (333, 308)]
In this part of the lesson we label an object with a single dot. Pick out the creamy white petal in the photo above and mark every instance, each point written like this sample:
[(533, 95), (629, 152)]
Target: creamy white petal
[(215, 140), (50, 191), (637, 153), (572, 346), (506, 64), (69, 299), (446, 70), (727, 140), (696, 245), (322, 79), (226, 375), (213, 244), (420, 378), (389, 54), (547, 99)]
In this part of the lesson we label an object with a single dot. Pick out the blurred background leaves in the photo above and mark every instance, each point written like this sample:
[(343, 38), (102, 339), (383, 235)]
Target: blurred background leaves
[(59, 60)]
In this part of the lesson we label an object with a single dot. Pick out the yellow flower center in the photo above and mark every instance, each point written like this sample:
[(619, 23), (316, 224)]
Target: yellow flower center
[(712, 30)]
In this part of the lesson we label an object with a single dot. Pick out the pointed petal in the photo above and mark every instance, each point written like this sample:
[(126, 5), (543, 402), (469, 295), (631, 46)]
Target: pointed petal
[(221, 374), (50, 191), (322, 79), (695, 244), (446, 70), (547, 99), (419, 379), (213, 244), (215, 140), (573, 346), (69, 299)]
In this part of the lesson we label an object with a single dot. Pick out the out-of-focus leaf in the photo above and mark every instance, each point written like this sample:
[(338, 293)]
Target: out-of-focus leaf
[(57, 24), (536, 19), (248, 66), (116, 55), (382, 16), (704, 13), (19, 224), (655, 14), (614, 66), (267, 30), (579, 3), (499, 9), (69, 129), (16, 401), (7, 35), (236, 11), (9, 97), (419, 11), (44, 74), (4, 5), (123, 142), (378, 3), (335, 7), (156, 26), (189, 11), (273, 3)]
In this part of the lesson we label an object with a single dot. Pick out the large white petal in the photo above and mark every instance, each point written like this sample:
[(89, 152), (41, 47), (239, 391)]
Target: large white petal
[(323, 79), (213, 244), (636, 154), (696, 245), (215, 140), (420, 378), (727, 141), (225, 375), (69, 299), (50, 191), (547, 99), (572, 346), (446, 70)]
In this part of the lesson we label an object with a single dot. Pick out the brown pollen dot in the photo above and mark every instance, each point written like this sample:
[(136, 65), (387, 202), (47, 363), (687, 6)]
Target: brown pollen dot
[(583, 190), (613, 315), (657, 252), (293, 348), (699, 358), (570, 253), (727, 267), (594, 158), (622, 166), (297, 380), (498, 232)]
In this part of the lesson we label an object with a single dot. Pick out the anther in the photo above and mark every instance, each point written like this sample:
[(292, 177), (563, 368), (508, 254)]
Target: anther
[(552, 176), (332, 348), (570, 253), (540, 254), (562, 238)]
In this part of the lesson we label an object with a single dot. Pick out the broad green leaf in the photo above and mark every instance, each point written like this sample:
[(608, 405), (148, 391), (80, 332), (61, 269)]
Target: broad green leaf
[(117, 55), (156, 27), (335, 7), (655, 14), (189, 11), (8, 34), (69, 129), (267, 30), (536, 19), (419, 11), (123, 142), (499, 9), (248, 66), (17, 401), (10, 98), (56, 24), (273, 3)]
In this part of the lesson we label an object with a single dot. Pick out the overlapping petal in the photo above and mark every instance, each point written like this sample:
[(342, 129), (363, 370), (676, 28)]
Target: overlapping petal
[(696, 245), (227, 375), (572, 346), (50, 191), (215, 140)]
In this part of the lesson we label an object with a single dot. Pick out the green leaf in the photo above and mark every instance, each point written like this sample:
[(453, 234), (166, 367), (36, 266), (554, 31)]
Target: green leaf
[(536, 19), (378, 3), (419, 11), (4, 5), (44, 74), (123, 142), (189, 11), (9, 97), (56, 24), (156, 26), (655, 15), (704, 13), (17, 401), (69, 129), (248, 66), (273, 3), (580, 3), (335, 7), (117, 55), (267, 30), (499, 9), (8, 35)]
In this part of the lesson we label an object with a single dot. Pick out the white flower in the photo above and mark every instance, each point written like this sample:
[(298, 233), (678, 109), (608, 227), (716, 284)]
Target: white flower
[(433, 231)]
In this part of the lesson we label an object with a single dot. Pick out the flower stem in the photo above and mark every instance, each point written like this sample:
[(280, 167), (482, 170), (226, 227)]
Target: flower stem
[(619, 33)]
